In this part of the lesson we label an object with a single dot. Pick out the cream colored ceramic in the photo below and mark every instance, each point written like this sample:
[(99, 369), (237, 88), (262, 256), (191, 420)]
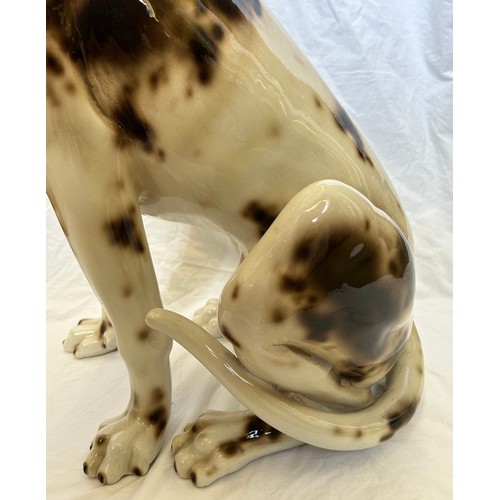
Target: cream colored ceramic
[(203, 111)]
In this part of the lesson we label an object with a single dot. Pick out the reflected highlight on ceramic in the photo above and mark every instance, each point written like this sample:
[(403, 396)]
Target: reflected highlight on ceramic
[(205, 112)]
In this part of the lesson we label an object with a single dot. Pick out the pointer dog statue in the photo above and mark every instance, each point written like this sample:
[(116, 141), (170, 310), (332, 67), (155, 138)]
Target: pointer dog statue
[(203, 111)]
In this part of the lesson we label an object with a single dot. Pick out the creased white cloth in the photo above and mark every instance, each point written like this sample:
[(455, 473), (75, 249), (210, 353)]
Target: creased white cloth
[(390, 65)]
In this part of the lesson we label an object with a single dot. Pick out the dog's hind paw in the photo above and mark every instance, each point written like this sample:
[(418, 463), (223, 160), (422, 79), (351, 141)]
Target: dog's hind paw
[(206, 317), (91, 337), (220, 443)]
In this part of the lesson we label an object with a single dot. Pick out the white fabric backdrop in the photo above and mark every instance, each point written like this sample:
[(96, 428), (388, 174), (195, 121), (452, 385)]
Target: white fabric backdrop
[(390, 64)]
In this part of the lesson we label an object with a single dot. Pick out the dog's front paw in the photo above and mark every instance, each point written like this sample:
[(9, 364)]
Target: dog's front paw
[(91, 337), (127, 445), (219, 443)]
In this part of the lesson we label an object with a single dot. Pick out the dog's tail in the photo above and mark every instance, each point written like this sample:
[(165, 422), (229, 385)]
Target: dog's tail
[(323, 428)]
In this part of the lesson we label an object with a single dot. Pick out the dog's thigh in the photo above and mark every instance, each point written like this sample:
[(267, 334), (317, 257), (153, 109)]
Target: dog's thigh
[(323, 302)]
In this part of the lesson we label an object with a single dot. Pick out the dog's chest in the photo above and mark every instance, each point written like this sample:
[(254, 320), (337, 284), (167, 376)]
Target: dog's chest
[(206, 119)]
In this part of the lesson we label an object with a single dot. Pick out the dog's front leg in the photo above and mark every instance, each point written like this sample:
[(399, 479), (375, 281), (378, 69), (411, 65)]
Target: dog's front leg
[(106, 233)]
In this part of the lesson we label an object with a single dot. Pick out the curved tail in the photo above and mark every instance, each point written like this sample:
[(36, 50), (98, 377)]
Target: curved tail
[(336, 431)]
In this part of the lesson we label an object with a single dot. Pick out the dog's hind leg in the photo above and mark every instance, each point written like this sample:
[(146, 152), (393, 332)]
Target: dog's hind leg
[(219, 443)]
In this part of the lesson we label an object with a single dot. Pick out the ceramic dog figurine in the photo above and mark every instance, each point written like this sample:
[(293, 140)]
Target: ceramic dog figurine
[(203, 111)]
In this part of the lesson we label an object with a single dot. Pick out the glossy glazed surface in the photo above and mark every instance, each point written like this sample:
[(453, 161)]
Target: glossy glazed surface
[(204, 112)]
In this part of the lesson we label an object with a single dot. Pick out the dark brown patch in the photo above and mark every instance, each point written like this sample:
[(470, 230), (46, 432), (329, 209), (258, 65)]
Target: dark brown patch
[(217, 32), (359, 433), (123, 232), (161, 154), (102, 328), (278, 316), (261, 214), (158, 418), (257, 428), (131, 126), (317, 101), (386, 437), (344, 122), (290, 284), (127, 291), (367, 225), (158, 395), (313, 249), (144, 334), (101, 478), (54, 65), (400, 418), (231, 449), (236, 291), (137, 471), (70, 87), (189, 92), (101, 440), (156, 77), (225, 331), (117, 31), (336, 268), (204, 53)]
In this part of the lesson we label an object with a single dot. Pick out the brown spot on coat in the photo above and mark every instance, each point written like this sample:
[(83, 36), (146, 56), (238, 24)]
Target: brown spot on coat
[(261, 214), (70, 87), (290, 284), (158, 395), (144, 334), (156, 77), (54, 65), (278, 316), (217, 32), (116, 31), (204, 53), (131, 126), (399, 419), (123, 232), (344, 122), (236, 291), (158, 418), (257, 428), (231, 449), (101, 440)]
